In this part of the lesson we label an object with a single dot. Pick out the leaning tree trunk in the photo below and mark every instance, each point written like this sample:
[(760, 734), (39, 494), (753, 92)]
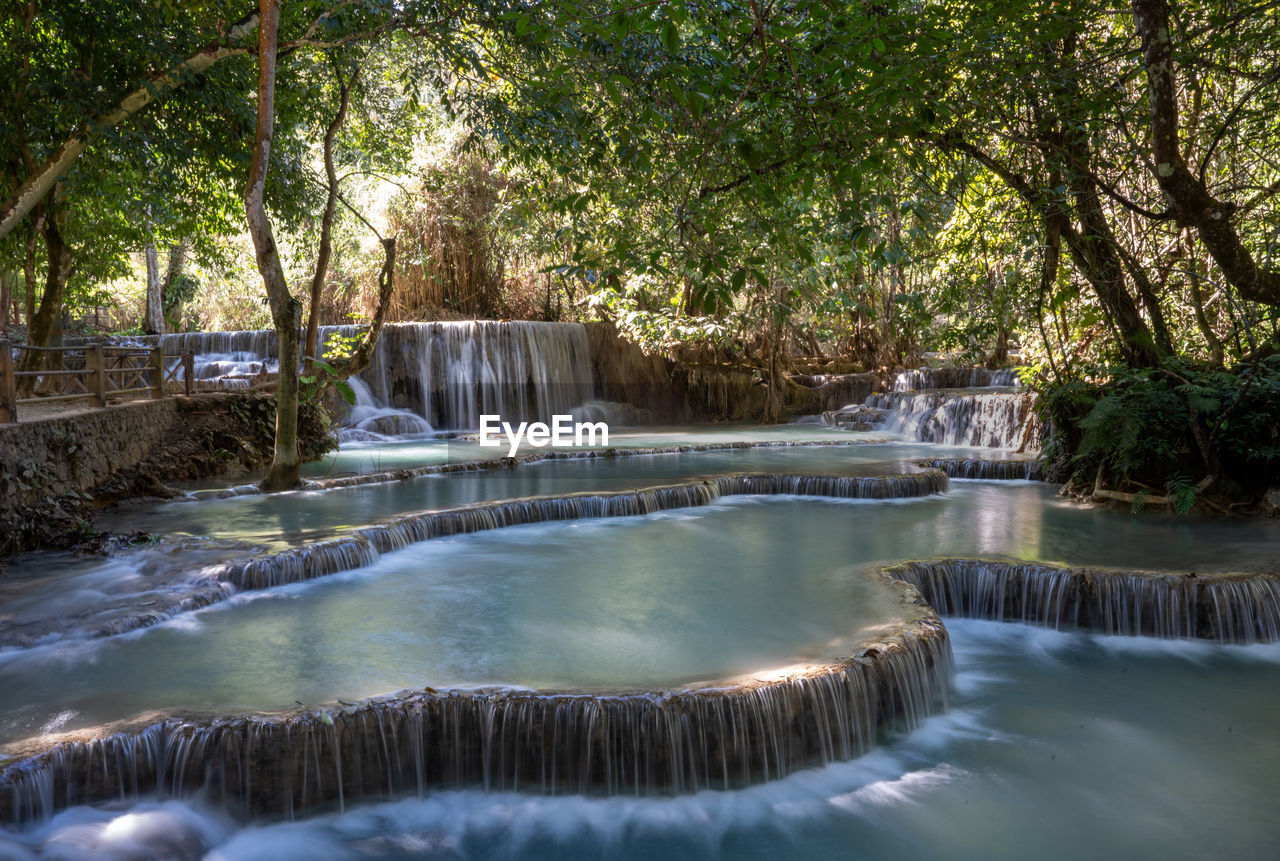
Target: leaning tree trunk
[(326, 222), (36, 228), (286, 312), (1193, 203)]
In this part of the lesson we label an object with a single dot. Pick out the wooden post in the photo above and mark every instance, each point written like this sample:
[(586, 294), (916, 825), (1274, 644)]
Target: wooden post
[(156, 361), (95, 365), (189, 370), (8, 384)]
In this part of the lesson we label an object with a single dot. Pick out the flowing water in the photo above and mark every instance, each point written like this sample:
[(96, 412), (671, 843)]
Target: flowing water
[(428, 376), (1053, 742), (1056, 746), (726, 588)]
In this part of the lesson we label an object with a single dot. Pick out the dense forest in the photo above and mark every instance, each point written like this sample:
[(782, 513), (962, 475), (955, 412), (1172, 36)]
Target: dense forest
[(1086, 191)]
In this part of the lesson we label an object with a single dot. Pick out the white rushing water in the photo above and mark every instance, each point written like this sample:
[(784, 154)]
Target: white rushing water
[(1057, 746), (447, 374), (951, 406)]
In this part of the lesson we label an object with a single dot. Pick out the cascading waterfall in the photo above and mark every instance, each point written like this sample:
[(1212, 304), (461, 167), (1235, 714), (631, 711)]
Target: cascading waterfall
[(988, 470), (203, 586), (369, 421), (363, 546), (948, 406), (993, 420), (445, 373), (719, 736), (953, 377), (1225, 608)]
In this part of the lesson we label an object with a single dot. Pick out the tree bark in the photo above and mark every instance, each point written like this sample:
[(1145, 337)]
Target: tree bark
[(286, 311), (362, 355), (9, 279), (29, 266), (1193, 204), (1049, 277), (153, 316), (170, 305), (41, 324), (1216, 351), (330, 211)]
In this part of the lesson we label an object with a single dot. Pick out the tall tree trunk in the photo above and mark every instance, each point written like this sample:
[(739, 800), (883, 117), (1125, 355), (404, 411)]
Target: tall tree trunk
[(9, 280), (171, 305), (41, 325), (153, 316), (29, 265), (286, 311), (1049, 277), (326, 222)]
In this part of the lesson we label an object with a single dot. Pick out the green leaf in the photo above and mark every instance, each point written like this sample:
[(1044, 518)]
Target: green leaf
[(671, 36)]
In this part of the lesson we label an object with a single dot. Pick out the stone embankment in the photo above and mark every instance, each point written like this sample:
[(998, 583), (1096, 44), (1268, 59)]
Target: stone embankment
[(55, 471)]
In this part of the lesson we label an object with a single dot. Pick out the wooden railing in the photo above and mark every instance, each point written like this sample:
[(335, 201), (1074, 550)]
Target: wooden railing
[(93, 372)]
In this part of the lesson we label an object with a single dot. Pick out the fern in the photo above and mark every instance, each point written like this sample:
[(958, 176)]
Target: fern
[(1182, 491)]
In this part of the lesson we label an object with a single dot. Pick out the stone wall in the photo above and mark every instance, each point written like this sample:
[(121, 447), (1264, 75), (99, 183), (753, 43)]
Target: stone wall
[(75, 452), (671, 392), (55, 472)]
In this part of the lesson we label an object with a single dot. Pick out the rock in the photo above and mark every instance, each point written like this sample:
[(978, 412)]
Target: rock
[(1271, 502)]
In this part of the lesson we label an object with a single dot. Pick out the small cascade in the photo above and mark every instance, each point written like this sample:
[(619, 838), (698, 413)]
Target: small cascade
[(719, 736), (983, 419), (446, 373), (993, 420), (225, 361), (987, 470), (948, 406), (1225, 608), (905, 486), (953, 377), (369, 421), (363, 546)]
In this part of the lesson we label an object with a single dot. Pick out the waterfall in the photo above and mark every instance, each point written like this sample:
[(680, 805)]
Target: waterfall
[(989, 470), (716, 736), (1224, 608), (966, 418), (949, 406), (363, 546), (370, 421), (445, 373), (210, 584), (994, 420), (953, 377)]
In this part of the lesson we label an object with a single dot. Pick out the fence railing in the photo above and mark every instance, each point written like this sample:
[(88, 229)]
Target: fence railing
[(93, 372)]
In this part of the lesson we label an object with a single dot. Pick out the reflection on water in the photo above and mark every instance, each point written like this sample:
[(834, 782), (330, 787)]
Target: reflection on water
[(670, 597), (623, 603)]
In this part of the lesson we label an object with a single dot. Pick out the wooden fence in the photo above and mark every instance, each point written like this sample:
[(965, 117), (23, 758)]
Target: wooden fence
[(92, 373)]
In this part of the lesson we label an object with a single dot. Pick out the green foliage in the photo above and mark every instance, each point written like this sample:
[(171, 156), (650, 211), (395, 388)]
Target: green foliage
[(1167, 425), (1183, 492)]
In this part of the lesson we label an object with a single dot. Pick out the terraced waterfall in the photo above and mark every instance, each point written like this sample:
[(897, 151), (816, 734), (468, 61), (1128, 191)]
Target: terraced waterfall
[(719, 641)]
